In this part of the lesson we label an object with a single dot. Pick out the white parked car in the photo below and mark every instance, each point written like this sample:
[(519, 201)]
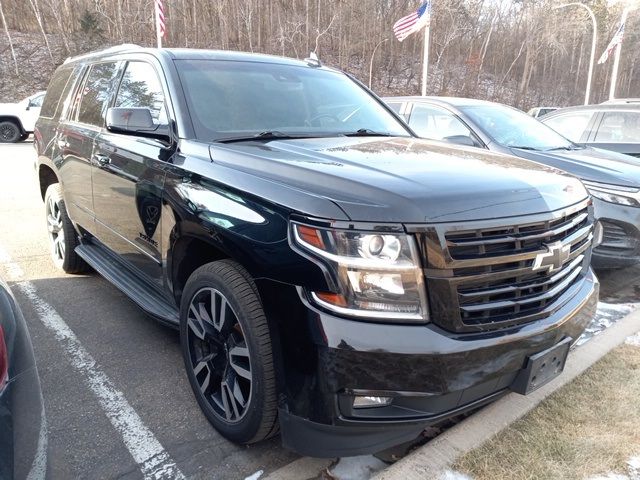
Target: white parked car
[(18, 119)]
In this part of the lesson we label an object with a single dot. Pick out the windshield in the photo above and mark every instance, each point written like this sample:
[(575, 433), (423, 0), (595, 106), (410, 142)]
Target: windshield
[(512, 128), (229, 99)]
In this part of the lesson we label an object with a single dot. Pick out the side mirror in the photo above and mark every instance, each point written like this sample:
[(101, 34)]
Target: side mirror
[(461, 140), (132, 121)]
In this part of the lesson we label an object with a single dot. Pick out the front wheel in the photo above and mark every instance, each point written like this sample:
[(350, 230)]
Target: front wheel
[(63, 238), (227, 352), (9, 132)]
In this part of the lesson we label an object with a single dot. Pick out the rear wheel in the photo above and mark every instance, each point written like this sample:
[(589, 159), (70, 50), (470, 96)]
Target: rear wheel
[(63, 237), (9, 132), (227, 352)]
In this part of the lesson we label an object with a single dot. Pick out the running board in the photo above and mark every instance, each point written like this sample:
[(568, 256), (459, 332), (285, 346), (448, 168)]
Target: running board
[(137, 288)]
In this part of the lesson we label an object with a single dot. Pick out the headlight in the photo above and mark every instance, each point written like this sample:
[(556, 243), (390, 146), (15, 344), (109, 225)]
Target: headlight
[(377, 275), (614, 193)]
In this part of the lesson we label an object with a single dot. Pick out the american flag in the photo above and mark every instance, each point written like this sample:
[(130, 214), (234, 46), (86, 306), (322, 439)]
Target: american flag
[(160, 25), (414, 22), (613, 44)]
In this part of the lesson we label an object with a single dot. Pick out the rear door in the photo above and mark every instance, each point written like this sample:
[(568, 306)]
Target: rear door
[(618, 131), (76, 136), (129, 174)]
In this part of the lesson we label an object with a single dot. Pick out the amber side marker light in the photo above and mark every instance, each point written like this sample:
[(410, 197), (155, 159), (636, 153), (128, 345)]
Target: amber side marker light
[(311, 236), (332, 298)]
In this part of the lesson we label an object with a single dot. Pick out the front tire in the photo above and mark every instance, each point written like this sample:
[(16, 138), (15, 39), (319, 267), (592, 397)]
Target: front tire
[(227, 352), (9, 132), (63, 237)]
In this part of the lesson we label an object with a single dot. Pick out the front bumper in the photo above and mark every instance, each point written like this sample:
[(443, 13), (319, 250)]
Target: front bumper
[(430, 373), (621, 241)]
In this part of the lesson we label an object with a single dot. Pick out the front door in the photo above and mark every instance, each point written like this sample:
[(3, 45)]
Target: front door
[(129, 176)]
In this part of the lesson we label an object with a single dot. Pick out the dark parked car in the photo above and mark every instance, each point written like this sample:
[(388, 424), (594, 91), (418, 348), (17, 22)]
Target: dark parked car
[(611, 125), (611, 178), (23, 443), (332, 276)]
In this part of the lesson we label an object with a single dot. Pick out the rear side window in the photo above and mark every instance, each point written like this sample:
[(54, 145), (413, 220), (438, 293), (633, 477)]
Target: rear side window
[(54, 92), (570, 125), (96, 93), (619, 127), (140, 87)]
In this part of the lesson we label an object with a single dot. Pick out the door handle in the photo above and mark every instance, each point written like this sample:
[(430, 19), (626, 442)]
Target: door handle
[(101, 160)]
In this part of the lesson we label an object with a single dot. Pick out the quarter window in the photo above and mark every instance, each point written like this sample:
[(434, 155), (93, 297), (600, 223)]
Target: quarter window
[(436, 124), (570, 125), (54, 92), (96, 93), (619, 127), (141, 88)]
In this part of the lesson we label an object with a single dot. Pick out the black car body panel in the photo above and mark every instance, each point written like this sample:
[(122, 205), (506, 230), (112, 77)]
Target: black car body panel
[(599, 165), (22, 422), (161, 207)]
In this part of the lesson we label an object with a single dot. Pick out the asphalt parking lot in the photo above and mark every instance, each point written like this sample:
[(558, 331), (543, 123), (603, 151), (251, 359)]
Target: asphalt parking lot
[(112, 378)]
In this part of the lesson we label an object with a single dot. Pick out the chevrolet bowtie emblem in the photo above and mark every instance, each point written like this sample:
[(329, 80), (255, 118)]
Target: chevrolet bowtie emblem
[(554, 258)]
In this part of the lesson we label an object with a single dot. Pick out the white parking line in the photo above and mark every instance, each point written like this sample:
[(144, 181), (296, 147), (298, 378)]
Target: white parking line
[(154, 462)]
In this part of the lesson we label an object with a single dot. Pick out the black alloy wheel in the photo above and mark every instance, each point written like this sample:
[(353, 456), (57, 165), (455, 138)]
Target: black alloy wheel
[(227, 352), (9, 132), (219, 354)]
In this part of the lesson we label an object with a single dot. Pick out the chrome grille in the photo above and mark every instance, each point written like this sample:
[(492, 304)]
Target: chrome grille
[(483, 278)]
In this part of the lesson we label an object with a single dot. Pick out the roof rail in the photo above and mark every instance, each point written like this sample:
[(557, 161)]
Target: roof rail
[(114, 49)]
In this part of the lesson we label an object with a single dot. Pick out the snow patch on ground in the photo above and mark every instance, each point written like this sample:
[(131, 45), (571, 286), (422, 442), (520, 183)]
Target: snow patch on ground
[(633, 472), (633, 340), (356, 468), (453, 475), (255, 476), (606, 315)]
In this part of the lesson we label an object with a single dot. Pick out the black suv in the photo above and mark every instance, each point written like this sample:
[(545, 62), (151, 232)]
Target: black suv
[(332, 276)]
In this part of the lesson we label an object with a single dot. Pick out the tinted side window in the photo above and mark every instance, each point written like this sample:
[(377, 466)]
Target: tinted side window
[(36, 101), (436, 124), (54, 92), (140, 87), (619, 127), (95, 94), (571, 125)]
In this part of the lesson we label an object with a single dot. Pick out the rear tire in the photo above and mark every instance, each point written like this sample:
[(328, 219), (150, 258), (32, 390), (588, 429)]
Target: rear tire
[(226, 347), (62, 234), (9, 132)]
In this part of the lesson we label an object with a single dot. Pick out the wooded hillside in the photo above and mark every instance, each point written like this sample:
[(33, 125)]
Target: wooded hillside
[(519, 52)]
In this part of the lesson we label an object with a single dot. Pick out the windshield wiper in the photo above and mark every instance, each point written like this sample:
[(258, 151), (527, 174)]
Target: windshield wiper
[(524, 147), (266, 135), (367, 132), (567, 147)]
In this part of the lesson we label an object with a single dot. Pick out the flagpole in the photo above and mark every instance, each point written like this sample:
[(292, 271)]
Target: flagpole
[(425, 60), (157, 22), (616, 59)]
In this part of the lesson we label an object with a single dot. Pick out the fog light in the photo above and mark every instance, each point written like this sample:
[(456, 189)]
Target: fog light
[(367, 402)]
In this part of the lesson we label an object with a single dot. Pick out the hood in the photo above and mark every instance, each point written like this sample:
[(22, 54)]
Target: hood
[(405, 179), (9, 108), (589, 163)]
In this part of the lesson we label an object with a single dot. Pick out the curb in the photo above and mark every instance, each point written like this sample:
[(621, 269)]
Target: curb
[(431, 460)]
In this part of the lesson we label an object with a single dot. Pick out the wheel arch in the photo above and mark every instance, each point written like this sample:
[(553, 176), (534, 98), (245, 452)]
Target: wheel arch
[(46, 177), (189, 252), (14, 119)]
